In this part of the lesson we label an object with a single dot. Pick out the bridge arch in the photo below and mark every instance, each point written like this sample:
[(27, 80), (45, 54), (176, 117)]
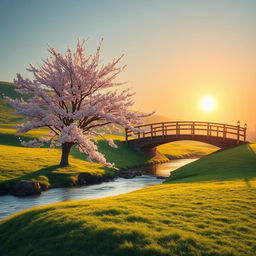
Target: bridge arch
[(149, 136)]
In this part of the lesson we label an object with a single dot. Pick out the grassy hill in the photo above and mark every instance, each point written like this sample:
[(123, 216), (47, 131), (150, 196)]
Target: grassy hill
[(19, 163), (6, 116), (207, 218), (212, 213), (235, 163), (186, 149), (23, 163)]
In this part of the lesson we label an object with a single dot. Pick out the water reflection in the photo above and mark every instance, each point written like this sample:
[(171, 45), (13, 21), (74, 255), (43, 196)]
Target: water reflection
[(11, 204), (165, 169)]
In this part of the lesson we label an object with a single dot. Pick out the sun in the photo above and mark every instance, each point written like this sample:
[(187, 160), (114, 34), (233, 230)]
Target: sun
[(208, 103)]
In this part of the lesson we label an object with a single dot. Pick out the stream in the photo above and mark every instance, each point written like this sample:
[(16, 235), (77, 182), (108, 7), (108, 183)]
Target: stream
[(10, 204)]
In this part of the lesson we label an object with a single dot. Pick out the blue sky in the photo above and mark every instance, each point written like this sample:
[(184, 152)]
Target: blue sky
[(176, 51), (131, 27)]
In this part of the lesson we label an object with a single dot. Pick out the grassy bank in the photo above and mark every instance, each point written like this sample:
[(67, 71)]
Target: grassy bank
[(186, 149), (206, 219), (235, 163), (19, 163)]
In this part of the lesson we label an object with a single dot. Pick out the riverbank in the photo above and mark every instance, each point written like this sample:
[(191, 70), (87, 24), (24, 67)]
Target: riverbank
[(12, 204), (200, 218), (26, 171), (156, 173), (193, 219), (40, 166), (235, 163), (32, 184)]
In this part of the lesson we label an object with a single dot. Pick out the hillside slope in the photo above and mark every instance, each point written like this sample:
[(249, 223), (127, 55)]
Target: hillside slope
[(6, 116), (198, 219), (235, 163), (6, 111), (214, 218)]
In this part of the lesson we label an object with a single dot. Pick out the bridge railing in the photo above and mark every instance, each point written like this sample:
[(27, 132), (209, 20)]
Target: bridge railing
[(192, 128)]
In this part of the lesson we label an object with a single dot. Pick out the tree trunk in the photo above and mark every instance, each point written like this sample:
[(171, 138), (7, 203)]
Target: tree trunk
[(65, 153)]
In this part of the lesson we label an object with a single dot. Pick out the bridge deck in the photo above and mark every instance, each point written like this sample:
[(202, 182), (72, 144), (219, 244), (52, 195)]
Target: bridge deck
[(221, 135)]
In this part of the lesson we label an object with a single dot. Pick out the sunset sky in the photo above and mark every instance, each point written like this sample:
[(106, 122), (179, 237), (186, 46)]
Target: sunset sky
[(176, 52)]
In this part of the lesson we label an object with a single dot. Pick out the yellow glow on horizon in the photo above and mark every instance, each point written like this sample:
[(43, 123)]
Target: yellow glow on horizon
[(208, 103)]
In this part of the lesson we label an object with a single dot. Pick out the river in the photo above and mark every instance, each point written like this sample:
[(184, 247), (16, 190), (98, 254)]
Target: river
[(10, 204)]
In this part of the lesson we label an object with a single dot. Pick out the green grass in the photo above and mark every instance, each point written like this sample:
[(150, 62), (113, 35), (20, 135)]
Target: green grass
[(207, 219), (19, 163), (186, 149), (6, 111), (238, 162), (212, 213)]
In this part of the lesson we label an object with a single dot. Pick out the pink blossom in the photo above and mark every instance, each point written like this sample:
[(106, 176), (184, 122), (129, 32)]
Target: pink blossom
[(74, 96)]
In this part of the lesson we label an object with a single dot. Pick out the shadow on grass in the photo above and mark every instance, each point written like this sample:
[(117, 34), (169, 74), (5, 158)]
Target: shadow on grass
[(14, 139), (10, 140), (55, 179), (113, 155), (123, 157)]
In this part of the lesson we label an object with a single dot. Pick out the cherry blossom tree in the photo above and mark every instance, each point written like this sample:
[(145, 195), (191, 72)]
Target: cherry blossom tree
[(73, 95)]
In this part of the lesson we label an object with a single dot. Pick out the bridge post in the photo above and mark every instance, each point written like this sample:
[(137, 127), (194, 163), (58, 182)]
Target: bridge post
[(151, 131), (126, 135), (238, 131), (208, 125), (217, 131), (224, 132), (177, 129), (245, 128), (139, 134), (163, 130), (193, 129)]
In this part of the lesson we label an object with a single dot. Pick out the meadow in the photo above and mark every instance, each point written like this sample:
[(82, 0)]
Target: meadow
[(207, 218), (206, 208), (19, 163)]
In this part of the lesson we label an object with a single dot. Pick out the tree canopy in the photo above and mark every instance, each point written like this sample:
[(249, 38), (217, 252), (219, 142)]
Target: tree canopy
[(76, 98)]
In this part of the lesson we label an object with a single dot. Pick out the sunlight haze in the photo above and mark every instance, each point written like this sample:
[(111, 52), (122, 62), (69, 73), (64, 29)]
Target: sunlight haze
[(175, 51), (208, 103)]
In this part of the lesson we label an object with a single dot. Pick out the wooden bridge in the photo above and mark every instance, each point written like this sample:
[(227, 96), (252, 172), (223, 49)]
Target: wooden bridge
[(149, 136)]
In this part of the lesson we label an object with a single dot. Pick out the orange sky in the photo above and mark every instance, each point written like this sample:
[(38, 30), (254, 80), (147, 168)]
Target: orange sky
[(176, 51)]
